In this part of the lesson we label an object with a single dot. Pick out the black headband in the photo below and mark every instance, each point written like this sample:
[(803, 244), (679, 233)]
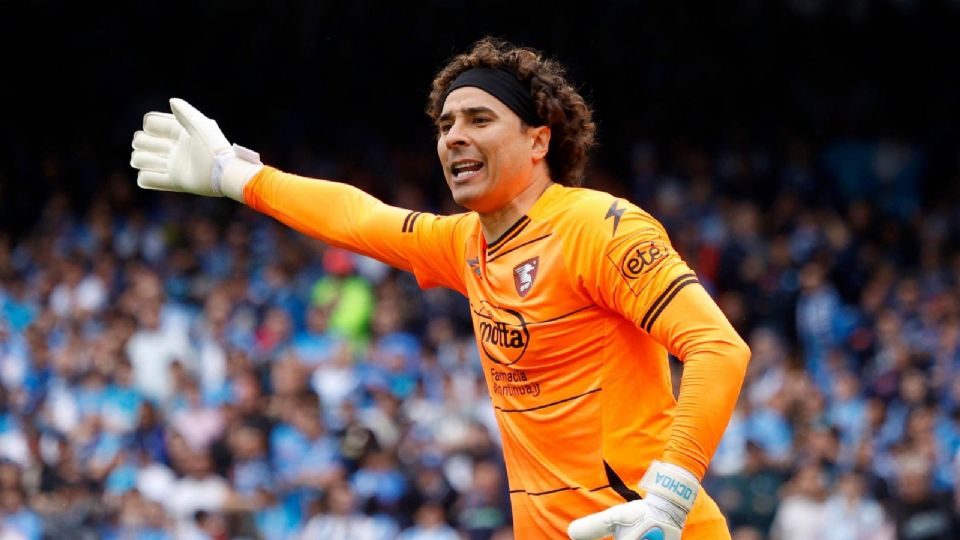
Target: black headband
[(502, 85)]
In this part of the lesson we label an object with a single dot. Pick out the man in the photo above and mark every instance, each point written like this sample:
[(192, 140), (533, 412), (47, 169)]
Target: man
[(575, 295)]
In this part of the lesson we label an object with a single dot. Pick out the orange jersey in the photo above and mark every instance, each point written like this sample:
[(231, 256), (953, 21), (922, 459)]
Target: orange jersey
[(574, 309)]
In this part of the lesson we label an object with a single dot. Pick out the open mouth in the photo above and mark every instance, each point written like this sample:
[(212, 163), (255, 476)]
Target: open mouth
[(462, 170)]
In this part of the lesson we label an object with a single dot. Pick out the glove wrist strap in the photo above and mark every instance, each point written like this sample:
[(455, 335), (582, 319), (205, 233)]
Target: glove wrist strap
[(237, 170), (672, 483)]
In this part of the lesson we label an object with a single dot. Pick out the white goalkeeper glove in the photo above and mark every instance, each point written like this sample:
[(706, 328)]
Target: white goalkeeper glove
[(186, 151), (660, 515)]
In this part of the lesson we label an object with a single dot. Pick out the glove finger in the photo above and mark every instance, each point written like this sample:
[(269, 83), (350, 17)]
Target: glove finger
[(148, 143), (155, 180), (187, 115), (147, 161), (199, 126), (162, 125), (592, 527)]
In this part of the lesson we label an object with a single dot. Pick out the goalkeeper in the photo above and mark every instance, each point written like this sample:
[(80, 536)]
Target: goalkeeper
[(576, 295)]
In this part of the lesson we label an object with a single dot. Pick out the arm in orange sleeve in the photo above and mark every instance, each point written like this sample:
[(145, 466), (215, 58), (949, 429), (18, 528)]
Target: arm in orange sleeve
[(344, 216), (715, 358), (635, 272)]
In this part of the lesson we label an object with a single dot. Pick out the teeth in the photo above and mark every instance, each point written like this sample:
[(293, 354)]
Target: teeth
[(466, 167)]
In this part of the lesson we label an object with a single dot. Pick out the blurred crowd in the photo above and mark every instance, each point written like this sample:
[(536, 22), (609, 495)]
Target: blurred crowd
[(186, 368)]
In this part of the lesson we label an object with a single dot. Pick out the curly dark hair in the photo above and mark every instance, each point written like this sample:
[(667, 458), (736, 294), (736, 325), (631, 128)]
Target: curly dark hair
[(562, 108)]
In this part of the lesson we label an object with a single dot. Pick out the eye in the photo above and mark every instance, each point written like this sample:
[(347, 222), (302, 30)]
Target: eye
[(444, 127), (480, 120)]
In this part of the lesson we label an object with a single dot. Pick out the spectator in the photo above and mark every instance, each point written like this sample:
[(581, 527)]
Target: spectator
[(429, 524), (17, 516), (316, 345), (749, 497), (920, 513), (339, 518), (198, 423), (802, 511), (159, 341), (485, 508), (379, 484), (850, 513), (198, 489), (348, 297)]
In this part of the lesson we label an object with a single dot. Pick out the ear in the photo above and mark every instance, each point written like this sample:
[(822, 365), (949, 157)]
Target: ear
[(539, 142)]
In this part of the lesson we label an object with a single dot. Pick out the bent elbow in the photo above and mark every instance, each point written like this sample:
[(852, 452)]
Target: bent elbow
[(740, 356)]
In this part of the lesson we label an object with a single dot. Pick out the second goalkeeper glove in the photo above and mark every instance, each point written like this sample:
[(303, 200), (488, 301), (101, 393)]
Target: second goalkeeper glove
[(186, 151), (671, 492)]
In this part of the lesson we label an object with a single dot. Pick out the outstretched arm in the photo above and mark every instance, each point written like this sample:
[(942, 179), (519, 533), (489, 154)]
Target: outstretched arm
[(344, 216), (186, 152)]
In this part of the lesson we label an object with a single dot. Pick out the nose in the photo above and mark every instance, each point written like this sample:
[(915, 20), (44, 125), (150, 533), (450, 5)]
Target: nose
[(456, 136)]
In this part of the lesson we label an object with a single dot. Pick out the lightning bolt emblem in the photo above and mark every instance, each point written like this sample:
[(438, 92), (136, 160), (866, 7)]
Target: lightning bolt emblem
[(616, 213)]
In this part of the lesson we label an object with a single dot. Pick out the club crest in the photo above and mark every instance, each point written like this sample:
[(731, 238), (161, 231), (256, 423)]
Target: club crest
[(524, 274)]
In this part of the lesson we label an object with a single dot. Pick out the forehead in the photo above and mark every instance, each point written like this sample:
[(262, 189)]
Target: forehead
[(468, 97)]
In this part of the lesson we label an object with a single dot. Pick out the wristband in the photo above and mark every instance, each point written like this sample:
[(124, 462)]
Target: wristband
[(671, 482), (238, 170)]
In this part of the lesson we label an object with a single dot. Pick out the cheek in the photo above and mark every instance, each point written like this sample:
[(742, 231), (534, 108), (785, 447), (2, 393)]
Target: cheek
[(511, 163)]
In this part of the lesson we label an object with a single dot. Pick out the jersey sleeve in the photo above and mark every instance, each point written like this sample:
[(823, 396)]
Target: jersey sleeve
[(341, 215), (627, 264)]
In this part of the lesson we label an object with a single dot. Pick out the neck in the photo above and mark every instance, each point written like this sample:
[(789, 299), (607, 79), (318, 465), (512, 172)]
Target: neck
[(496, 222)]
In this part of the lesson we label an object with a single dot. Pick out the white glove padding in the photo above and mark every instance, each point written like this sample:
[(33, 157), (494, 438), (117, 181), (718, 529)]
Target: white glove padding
[(186, 151), (671, 492)]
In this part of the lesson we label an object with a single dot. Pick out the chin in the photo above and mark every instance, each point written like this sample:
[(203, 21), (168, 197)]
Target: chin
[(466, 197)]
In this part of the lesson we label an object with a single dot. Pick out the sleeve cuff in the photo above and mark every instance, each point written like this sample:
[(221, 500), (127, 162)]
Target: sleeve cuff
[(238, 171)]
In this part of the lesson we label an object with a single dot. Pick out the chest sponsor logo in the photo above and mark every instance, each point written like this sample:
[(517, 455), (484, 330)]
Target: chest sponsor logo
[(524, 274), (502, 333)]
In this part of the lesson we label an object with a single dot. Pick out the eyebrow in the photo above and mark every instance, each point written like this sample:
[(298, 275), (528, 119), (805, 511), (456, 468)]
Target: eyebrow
[(469, 111)]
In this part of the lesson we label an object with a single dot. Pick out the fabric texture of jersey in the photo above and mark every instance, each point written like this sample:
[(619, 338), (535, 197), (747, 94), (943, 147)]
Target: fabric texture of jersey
[(574, 310)]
